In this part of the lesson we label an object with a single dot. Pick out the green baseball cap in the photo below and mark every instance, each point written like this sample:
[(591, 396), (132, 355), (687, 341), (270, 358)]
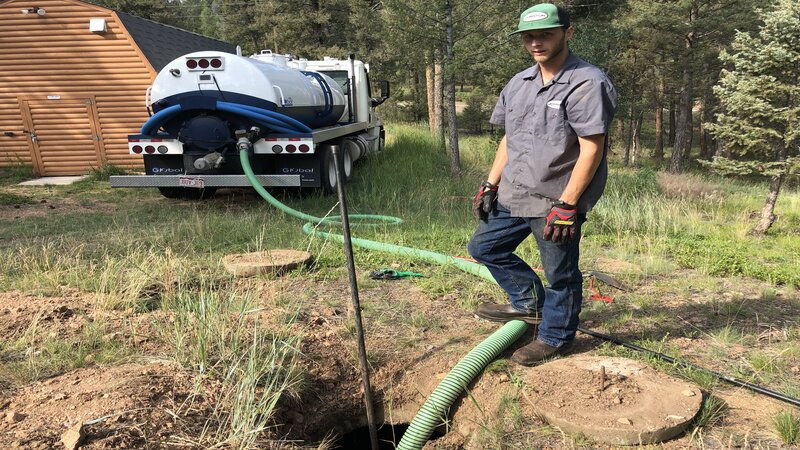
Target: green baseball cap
[(542, 16)]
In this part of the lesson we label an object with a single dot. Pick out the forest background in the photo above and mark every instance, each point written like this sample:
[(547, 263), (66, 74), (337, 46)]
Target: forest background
[(707, 84)]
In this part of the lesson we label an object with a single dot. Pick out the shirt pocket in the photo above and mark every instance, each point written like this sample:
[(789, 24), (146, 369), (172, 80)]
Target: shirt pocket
[(555, 119)]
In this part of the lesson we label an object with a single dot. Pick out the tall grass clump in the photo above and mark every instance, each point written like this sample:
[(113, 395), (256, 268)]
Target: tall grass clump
[(712, 411), (129, 279), (787, 426), (15, 173), (251, 387), (103, 173), (632, 205), (217, 334)]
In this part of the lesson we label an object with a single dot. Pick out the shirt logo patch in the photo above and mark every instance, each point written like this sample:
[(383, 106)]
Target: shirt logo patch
[(555, 104), (534, 16)]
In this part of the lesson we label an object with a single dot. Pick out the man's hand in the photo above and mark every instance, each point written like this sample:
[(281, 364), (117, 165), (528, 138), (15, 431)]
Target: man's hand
[(482, 205), (561, 223)]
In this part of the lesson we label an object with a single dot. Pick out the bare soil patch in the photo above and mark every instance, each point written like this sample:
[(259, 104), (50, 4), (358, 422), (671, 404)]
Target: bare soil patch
[(43, 207), (125, 407)]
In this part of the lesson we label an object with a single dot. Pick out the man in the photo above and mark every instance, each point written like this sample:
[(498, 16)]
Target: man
[(549, 170)]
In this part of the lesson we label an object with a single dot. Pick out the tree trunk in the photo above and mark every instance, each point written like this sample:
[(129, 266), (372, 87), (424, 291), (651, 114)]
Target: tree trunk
[(683, 124), (417, 93), (637, 139), (629, 140), (705, 150), (455, 160), (671, 135), (658, 151), (768, 211), (429, 88), (619, 133), (707, 142), (438, 95)]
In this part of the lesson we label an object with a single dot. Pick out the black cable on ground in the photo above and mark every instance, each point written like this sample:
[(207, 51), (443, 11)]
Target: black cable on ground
[(671, 360)]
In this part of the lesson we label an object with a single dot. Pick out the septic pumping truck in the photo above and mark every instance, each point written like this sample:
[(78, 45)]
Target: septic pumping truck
[(293, 110)]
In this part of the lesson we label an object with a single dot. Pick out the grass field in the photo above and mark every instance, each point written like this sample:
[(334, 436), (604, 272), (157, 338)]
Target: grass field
[(704, 289)]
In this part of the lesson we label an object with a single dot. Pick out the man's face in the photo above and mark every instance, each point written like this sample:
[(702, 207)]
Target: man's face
[(545, 45)]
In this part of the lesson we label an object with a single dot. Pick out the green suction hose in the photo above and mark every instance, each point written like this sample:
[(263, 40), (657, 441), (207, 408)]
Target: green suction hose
[(434, 411)]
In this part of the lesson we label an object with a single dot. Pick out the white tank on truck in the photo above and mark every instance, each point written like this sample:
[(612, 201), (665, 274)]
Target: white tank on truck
[(295, 110)]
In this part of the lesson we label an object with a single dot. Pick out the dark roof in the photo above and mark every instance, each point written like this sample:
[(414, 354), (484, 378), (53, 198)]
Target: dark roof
[(162, 43)]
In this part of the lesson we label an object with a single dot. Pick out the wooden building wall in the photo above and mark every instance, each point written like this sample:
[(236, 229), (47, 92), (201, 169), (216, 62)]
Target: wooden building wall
[(81, 92)]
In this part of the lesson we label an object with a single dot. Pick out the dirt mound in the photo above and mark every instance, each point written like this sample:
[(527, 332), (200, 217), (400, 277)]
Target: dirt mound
[(42, 317), (121, 407)]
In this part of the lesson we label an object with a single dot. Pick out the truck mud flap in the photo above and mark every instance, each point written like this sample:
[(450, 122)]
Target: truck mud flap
[(307, 168)]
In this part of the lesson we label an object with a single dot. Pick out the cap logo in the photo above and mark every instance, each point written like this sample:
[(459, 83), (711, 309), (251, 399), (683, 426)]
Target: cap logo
[(534, 16)]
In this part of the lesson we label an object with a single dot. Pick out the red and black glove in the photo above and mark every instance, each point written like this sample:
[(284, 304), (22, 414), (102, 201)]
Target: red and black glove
[(561, 222), (482, 205)]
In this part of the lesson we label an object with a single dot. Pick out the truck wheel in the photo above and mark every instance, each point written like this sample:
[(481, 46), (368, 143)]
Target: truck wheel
[(329, 169), (347, 163), (187, 193)]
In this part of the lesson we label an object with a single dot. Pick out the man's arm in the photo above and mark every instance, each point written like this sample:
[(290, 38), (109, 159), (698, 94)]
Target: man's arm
[(500, 159), (591, 154)]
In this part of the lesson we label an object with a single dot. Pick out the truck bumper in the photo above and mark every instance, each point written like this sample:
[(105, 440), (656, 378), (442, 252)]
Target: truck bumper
[(150, 181)]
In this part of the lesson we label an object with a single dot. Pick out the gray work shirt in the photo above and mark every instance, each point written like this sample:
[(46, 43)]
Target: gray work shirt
[(542, 125)]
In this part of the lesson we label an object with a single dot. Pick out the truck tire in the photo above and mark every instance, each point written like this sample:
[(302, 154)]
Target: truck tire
[(187, 193), (328, 175), (347, 165)]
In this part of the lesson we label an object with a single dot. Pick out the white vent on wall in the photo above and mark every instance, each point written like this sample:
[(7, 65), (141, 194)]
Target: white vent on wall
[(97, 25)]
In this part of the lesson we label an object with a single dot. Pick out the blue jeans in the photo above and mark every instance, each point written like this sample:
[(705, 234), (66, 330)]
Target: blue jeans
[(559, 304)]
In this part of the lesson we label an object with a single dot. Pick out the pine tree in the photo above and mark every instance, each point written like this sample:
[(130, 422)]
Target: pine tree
[(760, 95)]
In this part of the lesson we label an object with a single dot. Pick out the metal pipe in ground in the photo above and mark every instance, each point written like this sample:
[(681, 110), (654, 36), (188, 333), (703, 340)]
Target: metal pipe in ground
[(351, 270), (753, 387)]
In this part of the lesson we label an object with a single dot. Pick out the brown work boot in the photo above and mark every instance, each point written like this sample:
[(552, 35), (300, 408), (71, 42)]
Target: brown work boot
[(505, 313), (537, 351)]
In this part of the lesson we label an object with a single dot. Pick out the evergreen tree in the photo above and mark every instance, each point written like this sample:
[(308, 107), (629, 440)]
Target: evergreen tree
[(761, 98)]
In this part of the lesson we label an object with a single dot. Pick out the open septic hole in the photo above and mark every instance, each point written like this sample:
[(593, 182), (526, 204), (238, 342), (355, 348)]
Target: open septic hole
[(388, 437)]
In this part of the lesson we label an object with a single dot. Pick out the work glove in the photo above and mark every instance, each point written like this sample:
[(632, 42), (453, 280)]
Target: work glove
[(482, 205), (561, 223)]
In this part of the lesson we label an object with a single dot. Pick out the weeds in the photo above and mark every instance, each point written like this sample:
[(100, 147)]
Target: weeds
[(787, 426), (15, 173), (712, 411), (11, 199), (103, 173), (32, 357)]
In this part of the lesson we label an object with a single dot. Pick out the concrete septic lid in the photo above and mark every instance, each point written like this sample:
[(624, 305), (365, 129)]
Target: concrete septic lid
[(270, 261), (638, 405), (45, 181)]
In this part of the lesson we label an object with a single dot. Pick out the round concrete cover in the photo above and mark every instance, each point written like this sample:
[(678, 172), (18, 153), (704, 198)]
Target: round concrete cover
[(270, 261), (637, 404)]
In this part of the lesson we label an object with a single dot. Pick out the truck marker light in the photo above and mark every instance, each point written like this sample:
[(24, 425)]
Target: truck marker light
[(137, 149), (149, 149), (191, 64), (216, 63), (291, 148), (304, 148), (203, 63), (277, 149), (162, 149)]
